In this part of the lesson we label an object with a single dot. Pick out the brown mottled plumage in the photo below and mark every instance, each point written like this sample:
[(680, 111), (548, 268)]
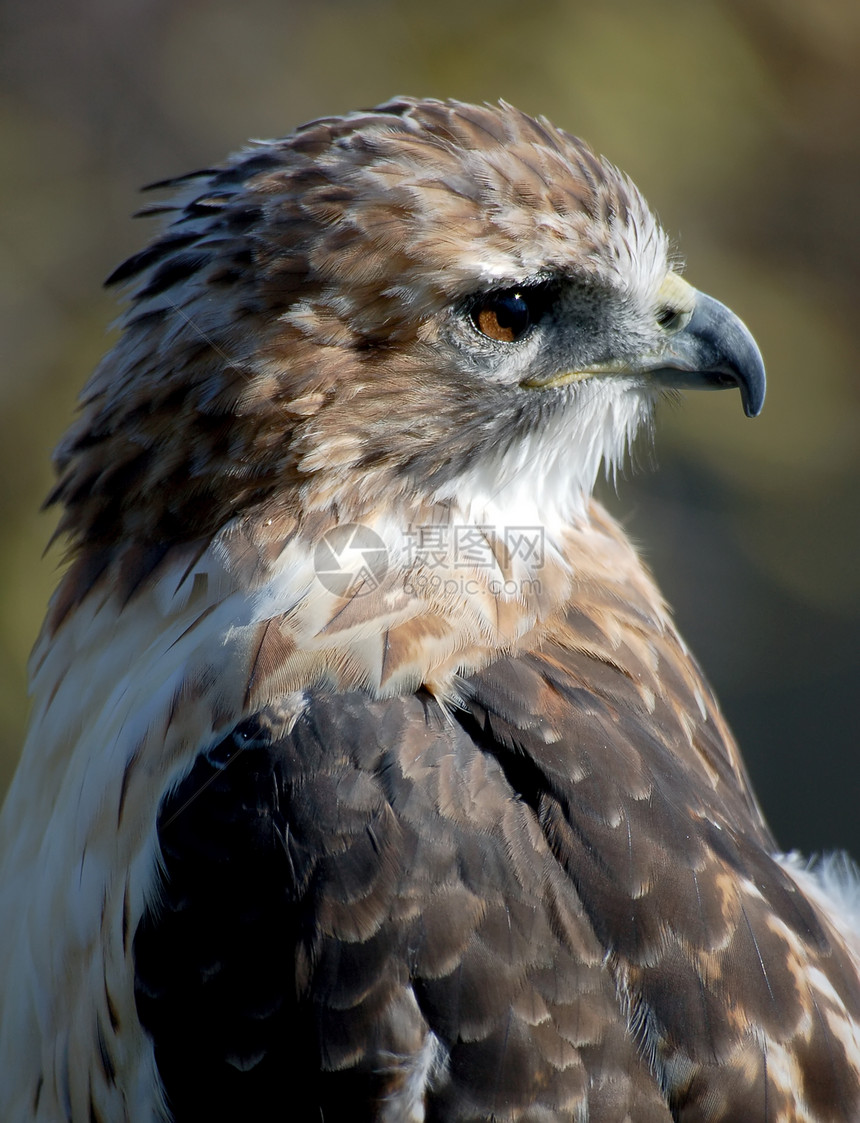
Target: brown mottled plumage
[(368, 778)]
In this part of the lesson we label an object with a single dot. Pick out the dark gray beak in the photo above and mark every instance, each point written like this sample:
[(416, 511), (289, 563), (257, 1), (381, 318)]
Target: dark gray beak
[(714, 351)]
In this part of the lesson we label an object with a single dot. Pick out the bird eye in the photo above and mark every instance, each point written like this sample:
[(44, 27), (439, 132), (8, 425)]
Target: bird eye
[(503, 316)]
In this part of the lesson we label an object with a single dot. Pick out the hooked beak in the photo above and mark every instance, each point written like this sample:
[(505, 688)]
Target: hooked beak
[(712, 351), (702, 346)]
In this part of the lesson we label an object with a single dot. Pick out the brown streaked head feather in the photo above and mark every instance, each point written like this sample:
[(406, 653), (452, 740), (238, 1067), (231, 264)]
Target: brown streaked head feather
[(288, 339)]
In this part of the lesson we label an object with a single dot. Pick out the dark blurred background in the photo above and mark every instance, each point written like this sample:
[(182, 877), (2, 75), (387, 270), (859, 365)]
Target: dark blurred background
[(739, 119)]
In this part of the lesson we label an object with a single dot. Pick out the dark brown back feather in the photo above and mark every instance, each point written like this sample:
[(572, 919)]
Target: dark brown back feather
[(554, 885)]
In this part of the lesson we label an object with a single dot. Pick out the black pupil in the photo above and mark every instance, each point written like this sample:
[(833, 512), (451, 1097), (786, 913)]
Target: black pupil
[(505, 317)]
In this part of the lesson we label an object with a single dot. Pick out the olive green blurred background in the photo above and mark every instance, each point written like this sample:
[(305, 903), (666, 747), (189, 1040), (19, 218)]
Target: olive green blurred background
[(739, 119)]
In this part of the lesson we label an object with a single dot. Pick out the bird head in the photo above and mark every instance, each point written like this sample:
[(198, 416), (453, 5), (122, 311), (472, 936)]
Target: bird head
[(430, 299)]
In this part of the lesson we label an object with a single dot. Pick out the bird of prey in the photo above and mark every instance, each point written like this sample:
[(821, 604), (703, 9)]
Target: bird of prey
[(368, 777)]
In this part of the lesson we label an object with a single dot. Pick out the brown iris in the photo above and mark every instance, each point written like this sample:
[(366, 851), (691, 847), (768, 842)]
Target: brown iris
[(504, 317)]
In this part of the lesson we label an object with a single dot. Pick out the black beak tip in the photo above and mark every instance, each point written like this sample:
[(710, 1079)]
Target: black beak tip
[(752, 385)]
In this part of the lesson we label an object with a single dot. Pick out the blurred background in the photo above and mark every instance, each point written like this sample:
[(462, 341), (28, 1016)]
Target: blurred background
[(740, 121)]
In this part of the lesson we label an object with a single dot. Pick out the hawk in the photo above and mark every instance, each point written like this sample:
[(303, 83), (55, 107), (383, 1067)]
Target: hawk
[(368, 777)]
